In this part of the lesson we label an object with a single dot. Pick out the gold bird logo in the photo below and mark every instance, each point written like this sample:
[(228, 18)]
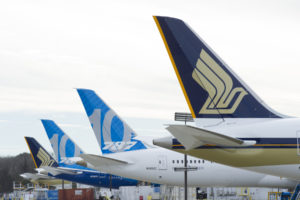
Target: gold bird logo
[(213, 79), (44, 158)]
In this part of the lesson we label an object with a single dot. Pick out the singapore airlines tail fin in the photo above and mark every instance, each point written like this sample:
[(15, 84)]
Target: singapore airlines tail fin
[(211, 88), (112, 133), (40, 156), (63, 146)]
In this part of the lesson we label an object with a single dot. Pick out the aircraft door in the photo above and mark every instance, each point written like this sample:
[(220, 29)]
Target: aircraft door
[(162, 162), (298, 142)]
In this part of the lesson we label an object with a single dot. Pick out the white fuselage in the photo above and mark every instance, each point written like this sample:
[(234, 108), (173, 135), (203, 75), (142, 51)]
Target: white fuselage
[(157, 165), (278, 153)]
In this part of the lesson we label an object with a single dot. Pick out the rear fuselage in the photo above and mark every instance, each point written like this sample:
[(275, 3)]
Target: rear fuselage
[(276, 150), (94, 178), (158, 165)]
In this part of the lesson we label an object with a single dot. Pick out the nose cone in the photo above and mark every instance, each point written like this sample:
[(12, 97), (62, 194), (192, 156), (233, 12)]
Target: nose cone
[(165, 142)]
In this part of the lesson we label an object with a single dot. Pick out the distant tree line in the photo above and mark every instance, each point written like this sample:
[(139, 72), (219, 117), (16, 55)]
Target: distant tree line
[(10, 169)]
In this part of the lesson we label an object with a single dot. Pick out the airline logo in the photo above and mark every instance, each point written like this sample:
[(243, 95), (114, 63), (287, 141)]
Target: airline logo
[(68, 161), (45, 158), (105, 129), (222, 97), (118, 146), (64, 147)]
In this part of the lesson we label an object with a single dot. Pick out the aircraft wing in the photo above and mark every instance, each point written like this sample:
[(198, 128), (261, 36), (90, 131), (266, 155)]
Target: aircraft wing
[(56, 171), (96, 160), (191, 137)]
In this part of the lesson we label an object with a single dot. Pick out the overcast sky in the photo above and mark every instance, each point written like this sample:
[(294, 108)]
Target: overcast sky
[(47, 48)]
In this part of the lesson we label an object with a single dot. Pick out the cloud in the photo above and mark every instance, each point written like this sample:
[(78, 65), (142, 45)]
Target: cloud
[(114, 48)]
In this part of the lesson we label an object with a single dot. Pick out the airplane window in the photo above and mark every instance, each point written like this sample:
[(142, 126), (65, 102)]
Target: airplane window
[(203, 161), (181, 161), (195, 161), (199, 161), (191, 161), (173, 161), (177, 161), (159, 162)]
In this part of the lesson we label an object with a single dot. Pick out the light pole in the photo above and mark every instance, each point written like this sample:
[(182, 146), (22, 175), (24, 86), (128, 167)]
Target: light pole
[(186, 117)]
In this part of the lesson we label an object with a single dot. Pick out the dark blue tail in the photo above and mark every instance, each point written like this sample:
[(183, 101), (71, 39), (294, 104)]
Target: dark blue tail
[(39, 155), (211, 89)]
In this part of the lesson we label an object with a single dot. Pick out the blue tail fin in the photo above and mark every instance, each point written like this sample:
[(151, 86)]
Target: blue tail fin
[(112, 133), (39, 155), (63, 146), (211, 88)]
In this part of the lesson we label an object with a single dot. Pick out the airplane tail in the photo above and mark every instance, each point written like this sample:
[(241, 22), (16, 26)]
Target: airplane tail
[(112, 133), (63, 146), (39, 155), (211, 88)]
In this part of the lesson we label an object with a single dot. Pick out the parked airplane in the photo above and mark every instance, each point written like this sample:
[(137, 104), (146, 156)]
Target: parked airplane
[(234, 126), (75, 173), (40, 178), (66, 150), (125, 155)]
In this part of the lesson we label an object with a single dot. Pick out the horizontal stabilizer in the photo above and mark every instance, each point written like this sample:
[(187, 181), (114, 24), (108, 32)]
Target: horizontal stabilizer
[(101, 160), (191, 137), (56, 171), (36, 176)]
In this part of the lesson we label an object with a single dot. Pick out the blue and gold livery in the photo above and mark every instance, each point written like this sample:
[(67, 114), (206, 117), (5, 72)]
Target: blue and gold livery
[(39, 155), (261, 143), (265, 139), (210, 87), (112, 133), (266, 151)]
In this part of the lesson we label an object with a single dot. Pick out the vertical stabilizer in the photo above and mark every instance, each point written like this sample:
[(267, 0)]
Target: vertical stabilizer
[(211, 88), (112, 133), (39, 155), (63, 146)]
